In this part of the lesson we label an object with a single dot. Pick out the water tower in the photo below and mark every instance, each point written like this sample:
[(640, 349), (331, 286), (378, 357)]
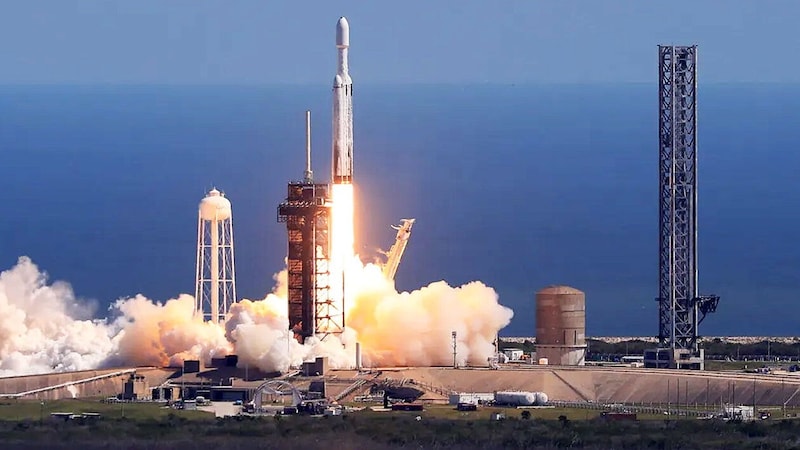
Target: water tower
[(215, 290)]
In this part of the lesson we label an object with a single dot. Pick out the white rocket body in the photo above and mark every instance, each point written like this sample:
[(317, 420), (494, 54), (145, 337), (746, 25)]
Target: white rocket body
[(342, 110)]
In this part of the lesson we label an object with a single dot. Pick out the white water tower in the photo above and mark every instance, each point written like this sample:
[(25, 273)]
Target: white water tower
[(215, 290)]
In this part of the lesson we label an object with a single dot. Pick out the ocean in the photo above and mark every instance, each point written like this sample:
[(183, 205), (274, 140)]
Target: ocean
[(518, 186)]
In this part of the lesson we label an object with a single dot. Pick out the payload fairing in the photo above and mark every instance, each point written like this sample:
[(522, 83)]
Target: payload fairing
[(342, 110)]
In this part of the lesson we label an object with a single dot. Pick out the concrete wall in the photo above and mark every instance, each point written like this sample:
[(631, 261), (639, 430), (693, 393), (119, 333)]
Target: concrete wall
[(106, 387), (609, 385), (562, 356)]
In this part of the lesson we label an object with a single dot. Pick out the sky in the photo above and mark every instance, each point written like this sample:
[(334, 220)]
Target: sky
[(410, 41)]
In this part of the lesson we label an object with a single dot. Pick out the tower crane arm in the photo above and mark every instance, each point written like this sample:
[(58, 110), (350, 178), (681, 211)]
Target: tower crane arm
[(395, 253)]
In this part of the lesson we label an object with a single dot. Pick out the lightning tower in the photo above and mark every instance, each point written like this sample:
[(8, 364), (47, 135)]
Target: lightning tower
[(680, 307), (215, 288)]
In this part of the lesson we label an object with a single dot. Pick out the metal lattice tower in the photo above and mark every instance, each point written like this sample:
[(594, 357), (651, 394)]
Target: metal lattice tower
[(680, 308), (215, 288), (307, 214)]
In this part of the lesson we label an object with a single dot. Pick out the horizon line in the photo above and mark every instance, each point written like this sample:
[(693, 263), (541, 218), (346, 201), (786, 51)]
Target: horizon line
[(365, 83)]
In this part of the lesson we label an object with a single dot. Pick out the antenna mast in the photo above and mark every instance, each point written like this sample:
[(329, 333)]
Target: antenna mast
[(308, 175)]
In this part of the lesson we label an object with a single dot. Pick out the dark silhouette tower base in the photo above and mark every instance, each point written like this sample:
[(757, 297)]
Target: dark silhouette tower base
[(680, 307)]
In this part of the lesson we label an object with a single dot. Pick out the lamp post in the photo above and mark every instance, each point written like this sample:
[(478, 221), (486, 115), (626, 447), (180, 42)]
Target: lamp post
[(455, 361)]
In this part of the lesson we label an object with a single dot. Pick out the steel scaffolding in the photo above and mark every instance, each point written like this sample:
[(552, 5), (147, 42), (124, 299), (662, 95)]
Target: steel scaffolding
[(306, 213), (680, 308)]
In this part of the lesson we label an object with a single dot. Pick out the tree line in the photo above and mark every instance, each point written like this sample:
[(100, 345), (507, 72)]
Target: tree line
[(714, 349)]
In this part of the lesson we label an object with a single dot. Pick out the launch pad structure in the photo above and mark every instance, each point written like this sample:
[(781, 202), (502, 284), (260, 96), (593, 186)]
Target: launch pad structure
[(395, 253), (680, 307), (307, 214), (316, 296)]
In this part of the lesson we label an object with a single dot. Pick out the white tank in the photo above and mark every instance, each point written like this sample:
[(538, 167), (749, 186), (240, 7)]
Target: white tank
[(520, 398), (215, 206)]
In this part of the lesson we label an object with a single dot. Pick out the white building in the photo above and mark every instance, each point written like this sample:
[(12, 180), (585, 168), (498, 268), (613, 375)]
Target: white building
[(471, 397)]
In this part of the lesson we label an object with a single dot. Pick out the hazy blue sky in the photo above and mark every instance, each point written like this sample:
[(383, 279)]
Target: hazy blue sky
[(264, 41)]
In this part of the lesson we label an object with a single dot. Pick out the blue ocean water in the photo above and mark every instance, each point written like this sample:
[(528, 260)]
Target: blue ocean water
[(519, 186)]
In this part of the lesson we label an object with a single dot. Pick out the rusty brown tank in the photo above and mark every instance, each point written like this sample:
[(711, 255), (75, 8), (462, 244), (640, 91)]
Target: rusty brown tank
[(561, 326)]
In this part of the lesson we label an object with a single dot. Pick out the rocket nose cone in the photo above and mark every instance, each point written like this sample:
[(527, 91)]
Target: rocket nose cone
[(342, 33)]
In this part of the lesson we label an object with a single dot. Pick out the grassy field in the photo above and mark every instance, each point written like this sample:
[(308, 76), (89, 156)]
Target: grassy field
[(30, 410), (732, 365), (450, 413), (20, 410), (149, 426)]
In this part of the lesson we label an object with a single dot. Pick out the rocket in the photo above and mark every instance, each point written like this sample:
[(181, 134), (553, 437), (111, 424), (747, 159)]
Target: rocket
[(342, 110)]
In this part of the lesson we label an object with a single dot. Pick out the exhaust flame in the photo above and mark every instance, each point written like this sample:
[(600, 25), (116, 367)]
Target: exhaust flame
[(342, 252)]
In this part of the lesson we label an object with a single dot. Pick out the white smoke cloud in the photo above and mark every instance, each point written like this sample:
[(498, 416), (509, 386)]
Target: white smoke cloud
[(165, 334), (415, 328), (39, 331), (43, 327)]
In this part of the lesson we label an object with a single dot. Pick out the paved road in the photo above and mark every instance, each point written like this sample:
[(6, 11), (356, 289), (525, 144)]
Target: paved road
[(222, 409)]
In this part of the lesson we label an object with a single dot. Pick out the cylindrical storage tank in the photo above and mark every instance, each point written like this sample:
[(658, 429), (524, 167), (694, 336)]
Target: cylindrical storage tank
[(561, 325), (515, 398), (215, 206)]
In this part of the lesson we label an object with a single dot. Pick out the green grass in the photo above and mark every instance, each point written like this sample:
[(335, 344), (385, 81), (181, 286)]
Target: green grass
[(449, 412), (148, 426), (731, 365), (18, 410)]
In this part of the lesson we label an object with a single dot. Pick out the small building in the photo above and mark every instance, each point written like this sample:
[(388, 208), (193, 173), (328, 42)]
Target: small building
[(740, 412), (407, 407), (514, 354), (191, 366), (164, 393), (673, 358), (136, 388), (317, 367)]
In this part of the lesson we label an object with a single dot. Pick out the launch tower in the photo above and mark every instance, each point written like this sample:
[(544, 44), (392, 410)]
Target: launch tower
[(306, 212), (680, 308), (215, 288)]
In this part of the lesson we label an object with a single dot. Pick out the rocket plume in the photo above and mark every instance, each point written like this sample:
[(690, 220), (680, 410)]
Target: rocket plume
[(44, 328), (342, 251)]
